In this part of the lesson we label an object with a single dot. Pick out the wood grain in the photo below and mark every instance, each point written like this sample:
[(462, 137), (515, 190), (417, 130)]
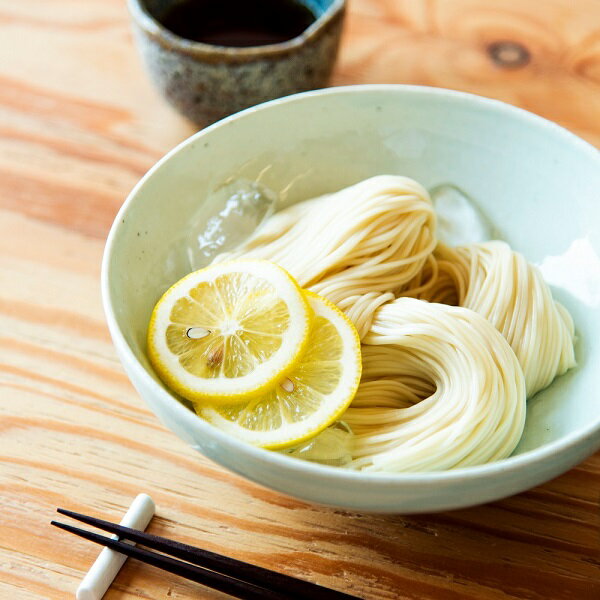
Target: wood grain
[(79, 124)]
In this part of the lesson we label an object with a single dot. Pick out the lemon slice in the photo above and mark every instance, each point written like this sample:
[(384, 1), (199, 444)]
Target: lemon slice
[(229, 331), (310, 397)]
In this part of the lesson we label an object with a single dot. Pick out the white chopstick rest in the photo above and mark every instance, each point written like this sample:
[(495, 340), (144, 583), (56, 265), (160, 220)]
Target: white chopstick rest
[(109, 562)]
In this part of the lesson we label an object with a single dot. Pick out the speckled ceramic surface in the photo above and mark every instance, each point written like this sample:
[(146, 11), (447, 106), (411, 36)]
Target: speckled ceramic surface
[(537, 183), (206, 83)]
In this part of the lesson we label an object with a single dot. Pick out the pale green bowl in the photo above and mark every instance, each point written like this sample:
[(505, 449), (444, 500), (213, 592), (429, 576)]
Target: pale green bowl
[(538, 183)]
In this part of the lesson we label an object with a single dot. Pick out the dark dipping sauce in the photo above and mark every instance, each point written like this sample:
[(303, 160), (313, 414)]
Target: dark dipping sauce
[(238, 23)]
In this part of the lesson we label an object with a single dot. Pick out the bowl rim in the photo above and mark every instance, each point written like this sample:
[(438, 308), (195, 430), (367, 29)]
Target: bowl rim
[(528, 458)]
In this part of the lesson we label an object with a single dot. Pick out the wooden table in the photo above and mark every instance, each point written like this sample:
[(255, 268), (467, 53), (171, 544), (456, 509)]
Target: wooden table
[(79, 124)]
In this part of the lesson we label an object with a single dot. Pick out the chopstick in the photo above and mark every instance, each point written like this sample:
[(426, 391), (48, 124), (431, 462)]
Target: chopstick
[(234, 577), (217, 581)]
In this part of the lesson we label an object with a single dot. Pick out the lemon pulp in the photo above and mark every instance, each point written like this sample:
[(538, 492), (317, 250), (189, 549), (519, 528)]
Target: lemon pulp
[(310, 397)]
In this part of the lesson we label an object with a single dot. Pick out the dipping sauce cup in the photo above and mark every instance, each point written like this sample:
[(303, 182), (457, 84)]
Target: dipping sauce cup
[(206, 82)]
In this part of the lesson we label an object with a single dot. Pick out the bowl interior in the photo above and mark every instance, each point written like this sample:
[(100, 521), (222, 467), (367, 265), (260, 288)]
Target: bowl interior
[(537, 183)]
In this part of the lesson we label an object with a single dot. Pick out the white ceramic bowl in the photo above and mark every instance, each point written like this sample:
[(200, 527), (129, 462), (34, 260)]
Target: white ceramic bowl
[(537, 182)]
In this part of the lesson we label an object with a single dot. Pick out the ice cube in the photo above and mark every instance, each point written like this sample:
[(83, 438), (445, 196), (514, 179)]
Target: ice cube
[(239, 208), (460, 220), (333, 446)]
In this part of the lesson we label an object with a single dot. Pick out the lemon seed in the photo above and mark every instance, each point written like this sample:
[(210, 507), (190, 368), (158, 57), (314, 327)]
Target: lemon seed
[(287, 385), (197, 333)]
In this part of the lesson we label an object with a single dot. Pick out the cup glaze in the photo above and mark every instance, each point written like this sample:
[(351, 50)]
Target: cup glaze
[(207, 82)]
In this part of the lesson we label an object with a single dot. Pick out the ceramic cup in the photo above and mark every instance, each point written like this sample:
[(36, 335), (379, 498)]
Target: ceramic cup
[(205, 82)]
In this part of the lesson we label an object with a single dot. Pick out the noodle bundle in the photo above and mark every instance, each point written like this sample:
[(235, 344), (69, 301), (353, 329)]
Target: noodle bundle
[(356, 247), (474, 406), (454, 339), (510, 293)]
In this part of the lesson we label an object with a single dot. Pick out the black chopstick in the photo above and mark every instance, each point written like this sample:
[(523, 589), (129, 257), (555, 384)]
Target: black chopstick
[(243, 575), (224, 583)]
